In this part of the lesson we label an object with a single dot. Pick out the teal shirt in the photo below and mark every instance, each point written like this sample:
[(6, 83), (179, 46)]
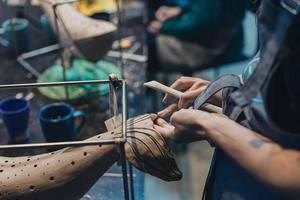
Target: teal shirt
[(200, 15), (211, 23), (204, 16)]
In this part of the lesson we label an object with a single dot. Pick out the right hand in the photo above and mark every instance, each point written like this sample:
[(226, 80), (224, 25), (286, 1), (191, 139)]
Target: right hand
[(154, 27), (165, 12), (192, 88)]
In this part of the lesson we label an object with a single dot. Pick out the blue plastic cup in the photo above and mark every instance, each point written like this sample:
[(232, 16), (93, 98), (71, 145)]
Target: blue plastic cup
[(58, 122), (16, 34), (15, 116)]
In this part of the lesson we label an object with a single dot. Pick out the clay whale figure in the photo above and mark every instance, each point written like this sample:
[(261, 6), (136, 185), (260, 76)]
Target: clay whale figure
[(70, 172)]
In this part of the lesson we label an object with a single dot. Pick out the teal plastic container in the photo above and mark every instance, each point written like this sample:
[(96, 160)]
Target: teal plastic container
[(16, 34), (51, 37)]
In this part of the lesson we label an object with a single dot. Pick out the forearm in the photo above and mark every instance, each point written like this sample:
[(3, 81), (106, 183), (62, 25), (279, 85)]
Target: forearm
[(263, 158)]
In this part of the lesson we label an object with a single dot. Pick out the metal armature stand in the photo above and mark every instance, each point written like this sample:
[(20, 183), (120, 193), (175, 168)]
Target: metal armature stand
[(114, 83), (48, 49)]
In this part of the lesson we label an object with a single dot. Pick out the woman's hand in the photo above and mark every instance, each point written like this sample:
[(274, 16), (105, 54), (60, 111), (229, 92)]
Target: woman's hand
[(189, 125), (165, 12), (192, 88), (164, 128), (186, 126), (154, 27)]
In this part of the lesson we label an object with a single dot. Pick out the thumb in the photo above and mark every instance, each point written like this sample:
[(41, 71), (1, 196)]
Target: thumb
[(161, 122), (166, 132), (188, 98)]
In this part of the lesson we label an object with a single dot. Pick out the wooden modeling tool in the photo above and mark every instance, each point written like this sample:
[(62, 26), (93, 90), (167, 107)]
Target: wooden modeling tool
[(175, 93)]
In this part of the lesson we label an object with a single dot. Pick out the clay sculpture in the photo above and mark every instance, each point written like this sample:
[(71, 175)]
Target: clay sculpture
[(91, 39), (53, 175)]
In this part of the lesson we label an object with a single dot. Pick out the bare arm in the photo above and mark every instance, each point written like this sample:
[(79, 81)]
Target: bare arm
[(276, 166), (265, 159)]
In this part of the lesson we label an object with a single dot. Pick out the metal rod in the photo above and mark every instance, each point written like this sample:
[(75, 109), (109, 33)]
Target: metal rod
[(21, 59), (122, 146), (131, 181), (52, 84), (28, 67), (60, 144), (124, 110), (41, 51), (124, 171)]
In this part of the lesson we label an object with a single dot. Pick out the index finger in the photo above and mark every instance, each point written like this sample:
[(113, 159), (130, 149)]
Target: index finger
[(168, 111), (182, 83)]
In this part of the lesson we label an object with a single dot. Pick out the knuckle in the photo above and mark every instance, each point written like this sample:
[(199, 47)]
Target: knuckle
[(173, 118), (185, 97), (182, 79)]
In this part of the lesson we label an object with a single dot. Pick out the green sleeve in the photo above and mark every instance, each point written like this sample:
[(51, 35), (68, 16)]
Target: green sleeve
[(203, 15)]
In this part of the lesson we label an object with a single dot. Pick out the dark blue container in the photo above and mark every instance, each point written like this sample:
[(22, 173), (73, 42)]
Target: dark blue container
[(58, 122), (15, 115)]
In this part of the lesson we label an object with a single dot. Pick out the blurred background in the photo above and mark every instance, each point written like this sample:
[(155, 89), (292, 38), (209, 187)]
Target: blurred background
[(51, 40)]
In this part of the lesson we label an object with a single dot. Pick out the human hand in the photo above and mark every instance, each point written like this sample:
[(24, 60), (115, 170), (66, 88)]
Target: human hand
[(154, 27), (165, 12), (192, 88), (164, 128), (190, 125)]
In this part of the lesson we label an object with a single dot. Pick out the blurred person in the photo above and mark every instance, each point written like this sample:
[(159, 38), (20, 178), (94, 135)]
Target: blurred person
[(257, 138), (199, 34)]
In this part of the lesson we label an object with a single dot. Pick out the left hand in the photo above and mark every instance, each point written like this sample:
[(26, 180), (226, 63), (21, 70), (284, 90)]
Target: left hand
[(154, 27), (164, 128), (185, 127), (190, 125)]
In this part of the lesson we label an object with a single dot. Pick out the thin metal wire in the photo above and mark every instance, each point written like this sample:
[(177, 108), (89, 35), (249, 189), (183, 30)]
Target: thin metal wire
[(124, 110), (52, 84), (124, 171), (119, 141), (131, 181)]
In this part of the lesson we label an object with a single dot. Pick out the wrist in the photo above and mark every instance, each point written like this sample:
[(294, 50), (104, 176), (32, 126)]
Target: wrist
[(208, 124)]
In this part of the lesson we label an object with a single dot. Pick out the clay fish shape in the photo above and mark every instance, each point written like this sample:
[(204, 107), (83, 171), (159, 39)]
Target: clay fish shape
[(53, 175)]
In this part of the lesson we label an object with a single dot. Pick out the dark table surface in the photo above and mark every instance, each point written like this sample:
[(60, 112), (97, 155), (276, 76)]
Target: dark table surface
[(110, 186)]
